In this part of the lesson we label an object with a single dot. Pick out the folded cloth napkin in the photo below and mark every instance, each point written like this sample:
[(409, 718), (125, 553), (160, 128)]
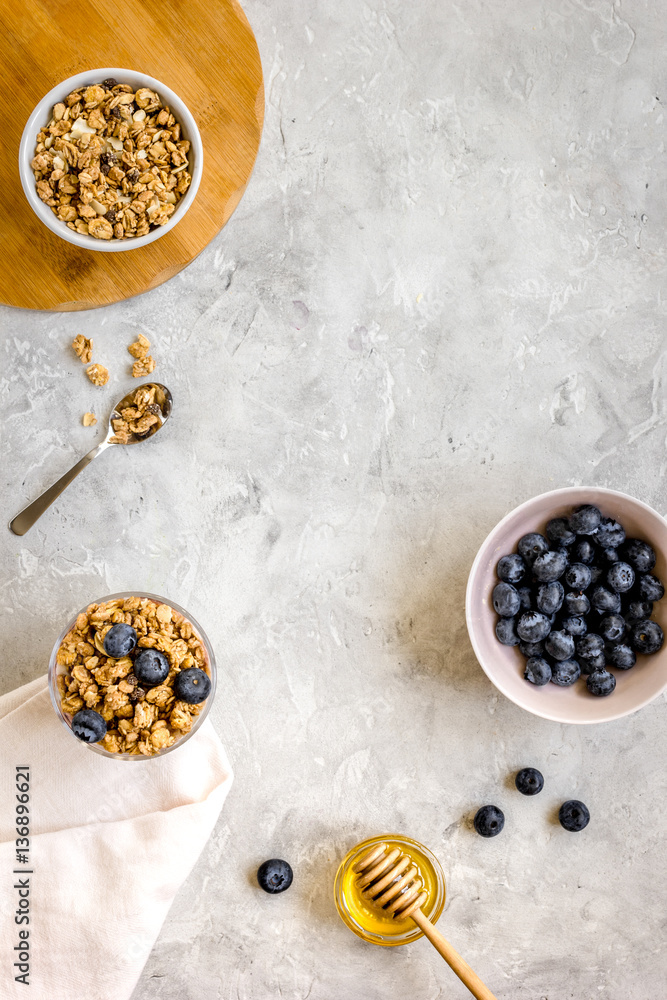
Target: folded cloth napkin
[(111, 842)]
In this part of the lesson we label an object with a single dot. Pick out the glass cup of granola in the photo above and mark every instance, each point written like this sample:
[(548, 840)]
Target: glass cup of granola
[(132, 676)]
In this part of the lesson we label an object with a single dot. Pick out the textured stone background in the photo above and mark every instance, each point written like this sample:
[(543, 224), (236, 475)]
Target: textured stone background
[(444, 292)]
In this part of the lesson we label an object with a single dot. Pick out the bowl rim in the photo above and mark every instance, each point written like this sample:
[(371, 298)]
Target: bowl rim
[(199, 632), (26, 148), (576, 491)]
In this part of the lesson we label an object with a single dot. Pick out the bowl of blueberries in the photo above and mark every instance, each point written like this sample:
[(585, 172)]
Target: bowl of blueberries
[(564, 605)]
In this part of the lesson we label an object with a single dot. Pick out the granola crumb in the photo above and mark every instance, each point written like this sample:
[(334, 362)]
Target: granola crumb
[(144, 366), (140, 348), (83, 348), (89, 419), (98, 374)]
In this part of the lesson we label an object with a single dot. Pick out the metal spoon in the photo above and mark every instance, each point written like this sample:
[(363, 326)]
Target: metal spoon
[(27, 517)]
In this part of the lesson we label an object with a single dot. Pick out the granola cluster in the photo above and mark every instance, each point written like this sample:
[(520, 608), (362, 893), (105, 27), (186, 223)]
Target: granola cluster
[(140, 418), (139, 721), (111, 163)]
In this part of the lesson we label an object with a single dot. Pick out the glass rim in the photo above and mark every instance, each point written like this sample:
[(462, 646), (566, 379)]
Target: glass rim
[(199, 632)]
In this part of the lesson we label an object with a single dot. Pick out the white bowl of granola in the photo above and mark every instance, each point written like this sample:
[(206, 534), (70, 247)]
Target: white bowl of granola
[(144, 718), (110, 159)]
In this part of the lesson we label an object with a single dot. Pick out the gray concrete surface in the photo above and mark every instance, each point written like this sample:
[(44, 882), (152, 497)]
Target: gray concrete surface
[(443, 292)]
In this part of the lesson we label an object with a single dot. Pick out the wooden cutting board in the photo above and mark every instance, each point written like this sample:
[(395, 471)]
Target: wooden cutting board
[(204, 50)]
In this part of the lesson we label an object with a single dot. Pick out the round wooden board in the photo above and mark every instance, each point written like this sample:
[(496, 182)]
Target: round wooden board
[(203, 50)]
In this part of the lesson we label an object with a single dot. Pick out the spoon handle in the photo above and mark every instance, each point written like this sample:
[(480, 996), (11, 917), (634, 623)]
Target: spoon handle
[(452, 957), (25, 519)]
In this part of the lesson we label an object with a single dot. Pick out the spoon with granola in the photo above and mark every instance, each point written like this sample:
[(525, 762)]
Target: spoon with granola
[(137, 416)]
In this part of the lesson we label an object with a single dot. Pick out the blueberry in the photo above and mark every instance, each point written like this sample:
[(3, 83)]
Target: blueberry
[(192, 685), (583, 552), (601, 683), (591, 645), (621, 656), (605, 600), (549, 566), (573, 815), (506, 632), (578, 576), (650, 588), (526, 598), (612, 627), (531, 546), (639, 554), (585, 520), (119, 640), (596, 662), (506, 600), (621, 577), (89, 725), (274, 875), (637, 611), (151, 667), (610, 534), (560, 645), (577, 604), (608, 556), (531, 649), (646, 637), (575, 625), (537, 671), (489, 821), (550, 597), (565, 672), (533, 626), (558, 532), (511, 568), (529, 781)]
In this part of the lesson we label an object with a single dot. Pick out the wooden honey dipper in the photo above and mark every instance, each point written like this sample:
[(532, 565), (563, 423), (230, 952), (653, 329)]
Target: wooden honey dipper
[(391, 881)]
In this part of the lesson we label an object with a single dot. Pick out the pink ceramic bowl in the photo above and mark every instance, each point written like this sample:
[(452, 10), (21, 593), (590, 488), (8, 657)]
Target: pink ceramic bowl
[(504, 665)]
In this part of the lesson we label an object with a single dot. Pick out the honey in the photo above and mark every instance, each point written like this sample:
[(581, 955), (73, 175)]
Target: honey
[(370, 922)]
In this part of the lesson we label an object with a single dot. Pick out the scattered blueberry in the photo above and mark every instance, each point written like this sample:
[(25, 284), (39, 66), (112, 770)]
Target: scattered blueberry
[(529, 649), (151, 667), (583, 551), (605, 600), (192, 685), (621, 577), (549, 566), (639, 554), (621, 656), (585, 520), (533, 626), (601, 683), (558, 532), (576, 625), (274, 875), (550, 597), (489, 821), (529, 781), (89, 725), (119, 640), (511, 568), (531, 546), (596, 662), (573, 815), (646, 637), (537, 671), (577, 604), (506, 632), (559, 645), (565, 672), (610, 534), (506, 600), (578, 576), (612, 628), (650, 588)]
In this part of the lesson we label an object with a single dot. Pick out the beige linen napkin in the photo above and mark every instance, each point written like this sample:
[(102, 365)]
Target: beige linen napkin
[(111, 842)]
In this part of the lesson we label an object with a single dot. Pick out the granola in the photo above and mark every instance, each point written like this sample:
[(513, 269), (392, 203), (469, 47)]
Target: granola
[(143, 367), (140, 348), (139, 721), (98, 374), (89, 419), (112, 163), (83, 348), (141, 419)]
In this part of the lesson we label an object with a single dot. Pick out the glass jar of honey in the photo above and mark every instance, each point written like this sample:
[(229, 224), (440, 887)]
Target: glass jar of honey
[(372, 923)]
